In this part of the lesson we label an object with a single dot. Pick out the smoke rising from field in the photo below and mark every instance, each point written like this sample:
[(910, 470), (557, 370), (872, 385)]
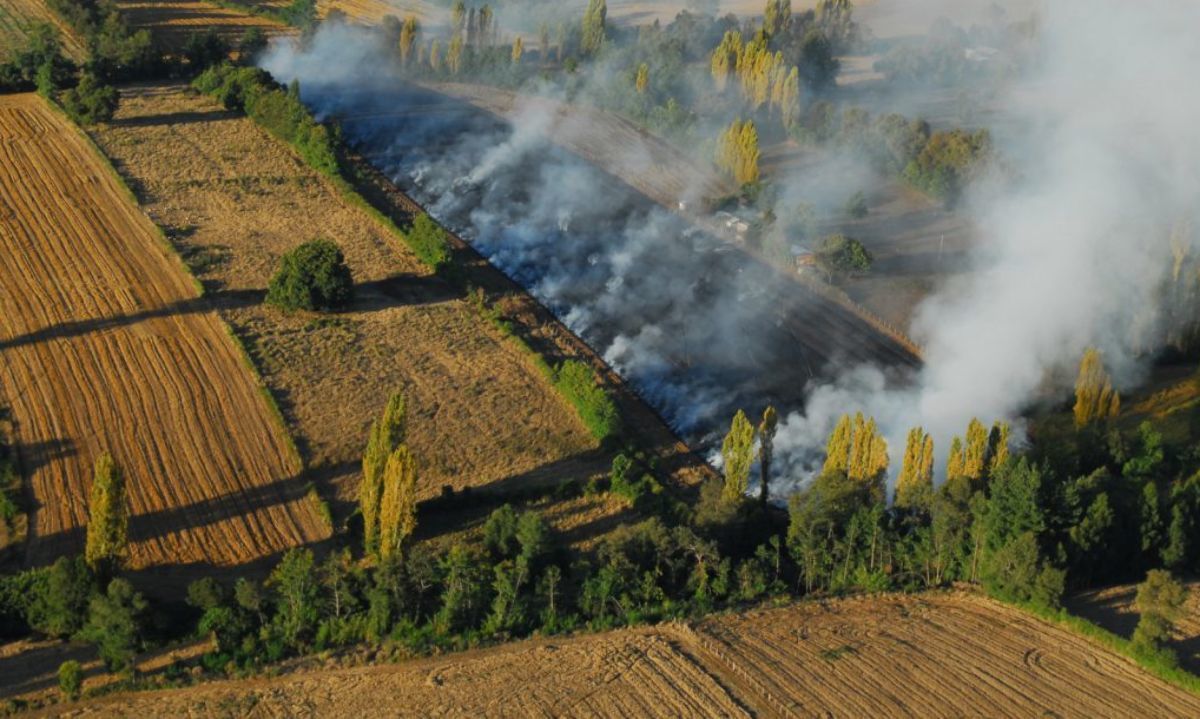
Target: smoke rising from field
[(1070, 254)]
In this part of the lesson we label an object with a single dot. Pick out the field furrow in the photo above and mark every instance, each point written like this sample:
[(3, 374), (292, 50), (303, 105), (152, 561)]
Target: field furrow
[(105, 347)]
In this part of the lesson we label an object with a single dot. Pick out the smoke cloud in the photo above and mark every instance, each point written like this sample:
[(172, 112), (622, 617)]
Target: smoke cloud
[(1070, 253)]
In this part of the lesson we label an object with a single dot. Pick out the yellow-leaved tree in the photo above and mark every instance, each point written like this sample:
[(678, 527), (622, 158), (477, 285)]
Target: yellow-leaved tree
[(1095, 398), (398, 504), (107, 547), (387, 434)]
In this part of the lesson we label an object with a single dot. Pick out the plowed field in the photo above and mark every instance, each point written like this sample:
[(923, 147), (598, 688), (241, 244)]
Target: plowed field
[(921, 656), (104, 346)]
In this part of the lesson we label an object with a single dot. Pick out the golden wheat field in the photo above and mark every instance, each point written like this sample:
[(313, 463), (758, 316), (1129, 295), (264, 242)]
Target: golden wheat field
[(936, 655), (106, 347)]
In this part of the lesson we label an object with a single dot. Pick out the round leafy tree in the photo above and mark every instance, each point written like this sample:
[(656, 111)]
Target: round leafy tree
[(313, 277), (839, 253)]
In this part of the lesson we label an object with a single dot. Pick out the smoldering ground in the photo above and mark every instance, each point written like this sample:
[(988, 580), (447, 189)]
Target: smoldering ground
[(1072, 253)]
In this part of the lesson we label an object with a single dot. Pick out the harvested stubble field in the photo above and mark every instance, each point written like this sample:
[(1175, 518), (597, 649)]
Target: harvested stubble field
[(927, 655), (170, 22), (19, 17), (104, 346), (234, 200), (372, 12)]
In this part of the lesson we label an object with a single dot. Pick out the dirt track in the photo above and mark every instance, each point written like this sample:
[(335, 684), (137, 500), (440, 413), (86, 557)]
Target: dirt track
[(105, 347), (929, 656)]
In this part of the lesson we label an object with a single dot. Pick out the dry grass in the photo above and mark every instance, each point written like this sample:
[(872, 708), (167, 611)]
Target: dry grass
[(106, 348), (234, 201), (19, 17), (931, 656)]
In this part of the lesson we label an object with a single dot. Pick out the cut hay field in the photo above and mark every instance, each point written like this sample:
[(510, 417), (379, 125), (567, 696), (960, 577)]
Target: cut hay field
[(934, 655), (19, 17), (170, 22), (233, 200), (104, 346)]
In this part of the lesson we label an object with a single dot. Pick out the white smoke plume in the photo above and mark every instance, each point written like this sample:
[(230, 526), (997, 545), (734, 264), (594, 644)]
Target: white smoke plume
[(1069, 254)]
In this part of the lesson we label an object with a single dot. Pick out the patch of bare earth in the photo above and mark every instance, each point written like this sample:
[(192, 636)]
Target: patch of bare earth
[(234, 200)]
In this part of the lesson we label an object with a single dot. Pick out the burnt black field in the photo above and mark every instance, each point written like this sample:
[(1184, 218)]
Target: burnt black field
[(698, 327)]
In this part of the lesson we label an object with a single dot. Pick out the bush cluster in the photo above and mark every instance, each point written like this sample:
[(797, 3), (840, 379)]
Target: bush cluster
[(578, 383), (280, 112), (312, 277)]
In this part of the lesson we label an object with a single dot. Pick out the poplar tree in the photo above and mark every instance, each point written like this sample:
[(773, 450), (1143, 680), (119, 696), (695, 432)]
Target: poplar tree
[(408, 38), (766, 450), (1095, 398), (954, 462), (435, 56), (594, 26), (738, 153), (454, 54), (518, 49), (398, 505), (458, 14), (107, 547), (776, 16), (737, 451), (544, 43), (974, 455), (915, 483), (643, 79), (789, 104), (725, 58), (387, 433), (997, 447), (868, 454), (837, 450)]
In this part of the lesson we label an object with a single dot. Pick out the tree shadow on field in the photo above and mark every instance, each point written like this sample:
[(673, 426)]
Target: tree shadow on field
[(35, 455), (174, 118), (394, 291)]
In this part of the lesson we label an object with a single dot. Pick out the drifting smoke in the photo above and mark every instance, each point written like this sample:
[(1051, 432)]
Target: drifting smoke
[(1069, 255)]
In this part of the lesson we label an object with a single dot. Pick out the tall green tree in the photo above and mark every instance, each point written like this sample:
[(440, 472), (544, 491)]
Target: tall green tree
[(737, 452), (766, 451), (1095, 398), (107, 547), (387, 433), (114, 624), (398, 511), (1160, 602), (594, 27)]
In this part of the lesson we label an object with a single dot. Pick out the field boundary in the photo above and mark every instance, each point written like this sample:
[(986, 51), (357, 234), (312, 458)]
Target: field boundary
[(363, 186), (1098, 635), (173, 252)]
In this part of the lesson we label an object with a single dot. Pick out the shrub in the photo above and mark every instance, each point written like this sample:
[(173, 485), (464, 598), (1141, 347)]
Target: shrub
[(70, 679), (428, 241), (577, 382), (312, 277), (280, 113), (856, 206), (91, 101), (839, 253)]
